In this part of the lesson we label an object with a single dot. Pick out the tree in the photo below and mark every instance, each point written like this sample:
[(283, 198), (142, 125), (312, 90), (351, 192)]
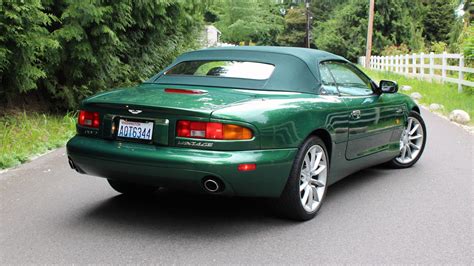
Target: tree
[(295, 28), (248, 20), (344, 33), (69, 49), (24, 42), (438, 20)]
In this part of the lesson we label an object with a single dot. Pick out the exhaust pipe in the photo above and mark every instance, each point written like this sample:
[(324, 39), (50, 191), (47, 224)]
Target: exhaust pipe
[(213, 185), (74, 166), (71, 163)]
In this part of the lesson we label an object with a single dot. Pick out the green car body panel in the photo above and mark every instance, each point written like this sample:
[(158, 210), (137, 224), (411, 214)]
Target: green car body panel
[(282, 113)]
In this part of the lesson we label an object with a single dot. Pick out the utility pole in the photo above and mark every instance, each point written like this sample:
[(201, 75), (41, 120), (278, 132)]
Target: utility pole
[(370, 30), (308, 25)]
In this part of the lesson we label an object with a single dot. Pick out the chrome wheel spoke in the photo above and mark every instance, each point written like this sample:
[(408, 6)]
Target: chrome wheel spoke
[(304, 199), (415, 137), (410, 122), (317, 183), (318, 170), (404, 151), (414, 146), (414, 129), (315, 193), (409, 153)]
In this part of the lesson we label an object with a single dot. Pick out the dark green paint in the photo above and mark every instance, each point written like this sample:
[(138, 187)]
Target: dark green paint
[(281, 121)]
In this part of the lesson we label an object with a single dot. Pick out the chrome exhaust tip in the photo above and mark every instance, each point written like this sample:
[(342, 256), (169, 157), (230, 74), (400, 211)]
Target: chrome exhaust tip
[(212, 185), (71, 164)]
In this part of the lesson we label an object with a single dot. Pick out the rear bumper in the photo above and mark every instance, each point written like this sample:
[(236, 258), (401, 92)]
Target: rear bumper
[(182, 167)]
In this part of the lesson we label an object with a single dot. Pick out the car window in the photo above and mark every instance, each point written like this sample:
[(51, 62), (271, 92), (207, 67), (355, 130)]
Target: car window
[(328, 84), (350, 81), (225, 69)]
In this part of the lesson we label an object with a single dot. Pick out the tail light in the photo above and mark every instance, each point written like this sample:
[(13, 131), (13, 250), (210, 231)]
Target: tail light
[(185, 91), (212, 130), (88, 119), (246, 167)]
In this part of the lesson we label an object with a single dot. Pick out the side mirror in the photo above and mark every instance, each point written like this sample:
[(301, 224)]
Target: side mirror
[(388, 86)]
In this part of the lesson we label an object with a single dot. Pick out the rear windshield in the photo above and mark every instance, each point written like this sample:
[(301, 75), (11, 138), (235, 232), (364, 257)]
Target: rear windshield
[(226, 69)]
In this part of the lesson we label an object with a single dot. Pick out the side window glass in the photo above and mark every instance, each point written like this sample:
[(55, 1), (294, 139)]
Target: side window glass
[(349, 81), (328, 84)]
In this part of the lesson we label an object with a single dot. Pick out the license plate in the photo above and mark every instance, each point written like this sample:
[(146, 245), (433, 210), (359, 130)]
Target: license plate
[(135, 130)]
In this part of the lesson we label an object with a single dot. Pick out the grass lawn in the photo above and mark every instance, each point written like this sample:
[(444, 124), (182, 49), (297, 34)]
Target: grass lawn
[(432, 92), (25, 135)]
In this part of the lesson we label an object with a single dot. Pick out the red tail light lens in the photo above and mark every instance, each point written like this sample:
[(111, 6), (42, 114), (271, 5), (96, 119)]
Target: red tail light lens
[(184, 91), (88, 119), (247, 167), (211, 130)]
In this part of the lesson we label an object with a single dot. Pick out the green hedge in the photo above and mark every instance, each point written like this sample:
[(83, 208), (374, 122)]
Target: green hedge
[(69, 49)]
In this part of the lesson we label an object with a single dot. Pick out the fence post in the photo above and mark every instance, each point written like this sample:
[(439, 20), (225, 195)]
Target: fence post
[(395, 63), (407, 64), (443, 67), (397, 60), (392, 63), (431, 66), (413, 56), (461, 73), (422, 65)]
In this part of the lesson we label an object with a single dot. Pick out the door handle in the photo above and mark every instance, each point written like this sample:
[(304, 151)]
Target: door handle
[(355, 114)]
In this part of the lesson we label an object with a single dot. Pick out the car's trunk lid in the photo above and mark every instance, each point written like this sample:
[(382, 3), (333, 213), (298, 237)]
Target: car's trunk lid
[(155, 97)]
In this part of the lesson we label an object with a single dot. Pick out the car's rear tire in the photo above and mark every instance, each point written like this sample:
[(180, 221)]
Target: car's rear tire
[(307, 184), (132, 189), (412, 142)]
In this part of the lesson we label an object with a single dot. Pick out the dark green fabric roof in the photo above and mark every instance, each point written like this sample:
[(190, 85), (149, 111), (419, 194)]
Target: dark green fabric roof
[(296, 69)]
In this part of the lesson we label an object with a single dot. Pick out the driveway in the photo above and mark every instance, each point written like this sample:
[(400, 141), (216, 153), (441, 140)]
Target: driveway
[(50, 214)]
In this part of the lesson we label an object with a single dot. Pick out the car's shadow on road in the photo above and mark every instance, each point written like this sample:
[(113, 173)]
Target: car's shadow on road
[(191, 214)]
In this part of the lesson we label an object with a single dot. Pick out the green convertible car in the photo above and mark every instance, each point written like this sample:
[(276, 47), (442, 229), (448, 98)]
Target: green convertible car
[(274, 122)]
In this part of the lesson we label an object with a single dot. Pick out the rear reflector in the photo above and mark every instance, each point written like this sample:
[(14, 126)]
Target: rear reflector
[(247, 167), (212, 130), (88, 119), (184, 91)]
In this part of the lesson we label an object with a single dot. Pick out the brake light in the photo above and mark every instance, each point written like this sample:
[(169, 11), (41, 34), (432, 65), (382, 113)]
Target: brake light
[(88, 119), (245, 167), (184, 91), (212, 130)]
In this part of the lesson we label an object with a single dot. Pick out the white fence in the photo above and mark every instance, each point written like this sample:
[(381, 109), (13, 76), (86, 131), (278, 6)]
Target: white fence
[(433, 67)]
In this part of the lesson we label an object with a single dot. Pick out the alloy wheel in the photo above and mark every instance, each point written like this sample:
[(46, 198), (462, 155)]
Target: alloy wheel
[(313, 178), (411, 141)]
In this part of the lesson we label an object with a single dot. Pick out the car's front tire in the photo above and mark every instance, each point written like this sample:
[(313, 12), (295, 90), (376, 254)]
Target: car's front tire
[(132, 189), (412, 142), (307, 184)]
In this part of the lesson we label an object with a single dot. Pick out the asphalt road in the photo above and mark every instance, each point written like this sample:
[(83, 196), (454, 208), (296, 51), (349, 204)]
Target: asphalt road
[(50, 214)]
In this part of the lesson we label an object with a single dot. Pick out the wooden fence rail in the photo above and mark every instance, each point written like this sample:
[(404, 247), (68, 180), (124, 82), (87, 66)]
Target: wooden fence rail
[(433, 67)]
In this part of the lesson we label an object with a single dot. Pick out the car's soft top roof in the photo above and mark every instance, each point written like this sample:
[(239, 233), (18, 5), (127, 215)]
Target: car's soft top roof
[(296, 69)]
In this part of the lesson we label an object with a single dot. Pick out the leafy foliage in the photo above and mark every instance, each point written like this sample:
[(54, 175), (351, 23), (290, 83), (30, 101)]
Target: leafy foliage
[(438, 20), (248, 20), (23, 44), (295, 28), (396, 50), (70, 49)]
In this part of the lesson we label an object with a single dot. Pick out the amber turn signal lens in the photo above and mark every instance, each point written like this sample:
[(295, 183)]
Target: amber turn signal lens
[(236, 132)]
